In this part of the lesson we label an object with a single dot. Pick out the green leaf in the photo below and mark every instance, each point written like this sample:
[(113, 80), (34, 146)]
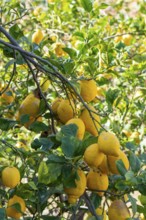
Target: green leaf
[(38, 126), (133, 203), (24, 118), (96, 199), (46, 217), (2, 214), (134, 162), (15, 31), (129, 175), (6, 124), (87, 5), (11, 62), (121, 167), (45, 143), (70, 146), (48, 173), (52, 158), (69, 130), (71, 52), (69, 176), (111, 95)]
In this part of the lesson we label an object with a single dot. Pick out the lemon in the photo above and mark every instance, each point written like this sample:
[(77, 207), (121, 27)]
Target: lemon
[(92, 156), (30, 105), (56, 104), (118, 210), (59, 49), (97, 181), (8, 96), (11, 211), (92, 124), (108, 143), (75, 192), (126, 39), (88, 90), (80, 125), (37, 37), (65, 110), (10, 177), (104, 166), (112, 162)]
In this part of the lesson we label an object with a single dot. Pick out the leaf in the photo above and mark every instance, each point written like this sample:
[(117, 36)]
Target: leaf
[(71, 52), (24, 118), (11, 62), (44, 143), (46, 217), (48, 173), (6, 124), (52, 158), (2, 214), (129, 175), (87, 5), (38, 126), (121, 167), (69, 130), (70, 146), (68, 66), (69, 175), (134, 162), (15, 31), (111, 95), (96, 199), (133, 203)]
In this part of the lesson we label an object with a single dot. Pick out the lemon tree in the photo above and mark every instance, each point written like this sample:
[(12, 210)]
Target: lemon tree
[(72, 110)]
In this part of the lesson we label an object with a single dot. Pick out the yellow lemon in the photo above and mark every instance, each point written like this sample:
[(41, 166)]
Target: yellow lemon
[(97, 181), (37, 37), (92, 122), (104, 166), (8, 96), (10, 177), (88, 90), (118, 210), (80, 125), (127, 38), (108, 143), (92, 156), (56, 104), (65, 110), (11, 211), (112, 162), (75, 192), (30, 106), (59, 49)]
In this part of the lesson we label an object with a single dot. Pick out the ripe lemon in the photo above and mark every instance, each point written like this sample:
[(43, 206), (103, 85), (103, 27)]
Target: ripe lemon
[(75, 192), (10, 177), (103, 167), (56, 104), (8, 96), (88, 90), (97, 181), (59, 49), (65, 110), (81, 127), (112, 162), (11, 211), (127, 38), (37, 37), (30, 106), (118, 211), (91, 124), (93, 156), (108, 143)]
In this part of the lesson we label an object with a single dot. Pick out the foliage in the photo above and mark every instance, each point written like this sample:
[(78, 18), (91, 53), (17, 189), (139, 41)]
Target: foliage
[(83, 39)]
